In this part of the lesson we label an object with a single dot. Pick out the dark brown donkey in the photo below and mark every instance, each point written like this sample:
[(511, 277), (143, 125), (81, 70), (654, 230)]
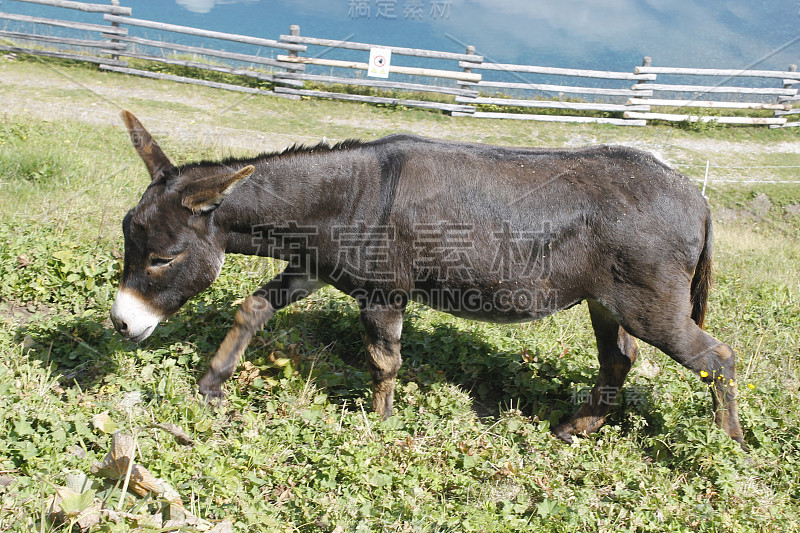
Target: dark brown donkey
[(483, 232)]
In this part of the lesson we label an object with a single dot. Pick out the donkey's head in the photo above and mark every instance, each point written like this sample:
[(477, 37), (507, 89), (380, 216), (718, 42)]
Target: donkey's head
[(172, 249)]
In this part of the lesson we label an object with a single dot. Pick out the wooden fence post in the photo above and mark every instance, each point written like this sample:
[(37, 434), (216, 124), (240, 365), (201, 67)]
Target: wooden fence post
[(792, 68), (787, 84), (470, 51), (646, 62), (294, 31), (114, 25), (468, 70)]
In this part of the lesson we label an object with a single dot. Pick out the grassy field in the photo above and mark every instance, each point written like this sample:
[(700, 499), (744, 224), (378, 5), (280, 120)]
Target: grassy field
[(295, 448)]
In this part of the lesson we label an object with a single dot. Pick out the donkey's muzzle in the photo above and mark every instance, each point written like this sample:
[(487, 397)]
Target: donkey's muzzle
[(132, 317)]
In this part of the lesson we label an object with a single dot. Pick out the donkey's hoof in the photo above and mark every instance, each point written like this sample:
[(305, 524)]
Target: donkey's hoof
[(212, 395), (742, 443), (562, 432), (215, 402)]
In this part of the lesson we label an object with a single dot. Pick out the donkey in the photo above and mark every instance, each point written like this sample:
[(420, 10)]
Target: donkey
[(482, 232)]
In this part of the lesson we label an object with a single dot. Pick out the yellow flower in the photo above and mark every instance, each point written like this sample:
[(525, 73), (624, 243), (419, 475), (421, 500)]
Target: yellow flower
[(703, 374), (751, 386)]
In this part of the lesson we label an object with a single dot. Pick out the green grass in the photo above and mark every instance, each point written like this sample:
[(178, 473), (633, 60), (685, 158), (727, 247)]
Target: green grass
[(295, 447)]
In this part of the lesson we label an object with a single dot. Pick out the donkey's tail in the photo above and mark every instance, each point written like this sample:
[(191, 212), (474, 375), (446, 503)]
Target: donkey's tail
[(701, 282)]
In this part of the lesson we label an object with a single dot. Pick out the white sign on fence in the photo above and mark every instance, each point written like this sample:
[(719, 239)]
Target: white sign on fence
[(379, 59)]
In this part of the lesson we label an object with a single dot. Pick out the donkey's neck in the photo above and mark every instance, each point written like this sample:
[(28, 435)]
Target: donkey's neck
[(309, 190)]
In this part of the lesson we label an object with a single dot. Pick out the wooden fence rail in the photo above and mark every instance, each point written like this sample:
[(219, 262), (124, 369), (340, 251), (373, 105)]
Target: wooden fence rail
[(472, 87), (83, 6), (9, 39), (84, 43), (183, 79), (530, 69), (402, 86), (731, 73), (245, 58), (396, 50), (186, 30), (410, 71), (81, 26)]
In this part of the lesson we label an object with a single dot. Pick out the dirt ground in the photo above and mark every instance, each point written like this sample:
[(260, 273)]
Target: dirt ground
[(243, 122)]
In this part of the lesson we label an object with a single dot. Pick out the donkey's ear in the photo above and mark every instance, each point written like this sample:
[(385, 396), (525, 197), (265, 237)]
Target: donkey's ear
[(206, 194), (157, 163)]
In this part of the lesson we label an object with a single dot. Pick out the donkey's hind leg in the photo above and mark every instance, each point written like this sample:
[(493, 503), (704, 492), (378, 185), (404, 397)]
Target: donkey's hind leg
[(712, 360), (617, 352)]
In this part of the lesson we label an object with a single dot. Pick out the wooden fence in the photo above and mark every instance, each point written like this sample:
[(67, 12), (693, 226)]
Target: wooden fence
[(471, 86), (522, 73), (775, 99)]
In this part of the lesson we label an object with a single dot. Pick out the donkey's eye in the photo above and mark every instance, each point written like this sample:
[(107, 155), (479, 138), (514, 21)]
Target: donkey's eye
[(159, 261)]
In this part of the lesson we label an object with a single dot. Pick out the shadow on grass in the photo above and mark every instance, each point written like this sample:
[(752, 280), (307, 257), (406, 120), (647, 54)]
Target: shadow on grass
[(79, 349), (84, 350), (330, 339), (436, 353), (548, 386)]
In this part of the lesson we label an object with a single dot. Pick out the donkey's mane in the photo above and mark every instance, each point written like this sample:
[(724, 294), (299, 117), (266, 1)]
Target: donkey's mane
[(297, 149), (293, 150)]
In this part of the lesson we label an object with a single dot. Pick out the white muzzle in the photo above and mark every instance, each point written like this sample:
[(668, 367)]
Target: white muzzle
[(132, 316)]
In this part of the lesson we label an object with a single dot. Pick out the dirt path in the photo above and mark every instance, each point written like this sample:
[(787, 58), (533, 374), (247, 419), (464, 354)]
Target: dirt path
[(241, 122), (57, 93)]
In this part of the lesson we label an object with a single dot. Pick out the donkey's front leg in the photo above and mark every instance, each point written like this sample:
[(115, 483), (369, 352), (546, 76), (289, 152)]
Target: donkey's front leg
[(288, 287), (383, 325)]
